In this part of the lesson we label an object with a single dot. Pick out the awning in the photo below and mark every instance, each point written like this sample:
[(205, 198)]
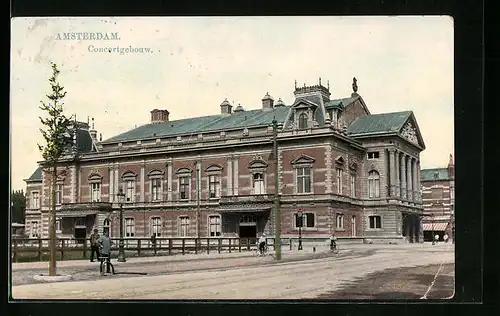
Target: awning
[(75, 213), (439, 227), (245, 208)]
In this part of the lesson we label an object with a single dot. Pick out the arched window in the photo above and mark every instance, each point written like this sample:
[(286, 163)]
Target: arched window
[(105, 226), (373, 184), (303, 121)]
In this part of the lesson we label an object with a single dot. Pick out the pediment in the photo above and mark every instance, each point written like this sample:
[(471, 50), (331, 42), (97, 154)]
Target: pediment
[(156, 172), (303, 104), (183, 170), (411, 133), (257, 163), (129, 174), (213, 168), (303, 159)]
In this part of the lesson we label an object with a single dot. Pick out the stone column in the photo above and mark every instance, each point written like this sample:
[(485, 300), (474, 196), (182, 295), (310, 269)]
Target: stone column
[(111, 184), (392, 164), (396, 171), (236, 176), (118, 184), (403, 177), (416, 184), (169, 180), (229, 176), (409, 180), (419, 194), (142, 181)]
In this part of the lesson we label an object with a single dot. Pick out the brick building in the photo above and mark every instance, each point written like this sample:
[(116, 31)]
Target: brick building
[(438, 197), (348, 171)]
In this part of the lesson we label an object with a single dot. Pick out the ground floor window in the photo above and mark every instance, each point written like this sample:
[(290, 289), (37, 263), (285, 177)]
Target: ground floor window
[(307, 220), (105, 226), (155, 226), (375, 221), (340, 221), (129, 227), (183, 226), (214, 227)]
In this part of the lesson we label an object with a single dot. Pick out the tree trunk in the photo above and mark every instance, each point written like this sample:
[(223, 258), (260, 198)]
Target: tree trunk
[(52, 223)]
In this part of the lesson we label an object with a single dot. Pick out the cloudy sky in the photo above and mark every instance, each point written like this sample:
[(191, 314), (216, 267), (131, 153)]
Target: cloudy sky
[(401, 63)]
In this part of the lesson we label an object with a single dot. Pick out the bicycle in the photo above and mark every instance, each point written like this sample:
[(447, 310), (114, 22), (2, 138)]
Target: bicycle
[(103, 268), (265, 253), (334, 249)]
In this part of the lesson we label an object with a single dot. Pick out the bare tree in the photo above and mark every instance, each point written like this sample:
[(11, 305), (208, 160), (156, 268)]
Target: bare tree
[(57, 134)]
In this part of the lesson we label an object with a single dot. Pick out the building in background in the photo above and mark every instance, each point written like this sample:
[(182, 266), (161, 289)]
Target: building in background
[(438, 197), (347, 171)]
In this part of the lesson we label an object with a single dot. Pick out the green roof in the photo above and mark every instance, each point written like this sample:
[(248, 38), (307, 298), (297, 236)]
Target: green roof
[(203, 124), (83, 141), (434, 174), (378, 123), (336, 103), (36, 176)]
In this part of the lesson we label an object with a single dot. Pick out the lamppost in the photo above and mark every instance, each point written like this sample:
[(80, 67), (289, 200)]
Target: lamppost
[(299, 215), (433, 240), (121, 248)]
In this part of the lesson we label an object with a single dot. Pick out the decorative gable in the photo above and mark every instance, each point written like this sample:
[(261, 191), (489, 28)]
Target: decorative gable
[(214, 168), (303, 159), (411, 132)]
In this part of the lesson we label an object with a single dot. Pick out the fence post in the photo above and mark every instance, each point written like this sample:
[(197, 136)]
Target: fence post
[(138, 247), (248, 244), (62, 249), (39, 249), (154, 246), (196, 246), (229, 245), (14, 251), (239, 244), (208, 245), (290, 242), (183, 244), (85, 249), (219, 248), (170, 246)]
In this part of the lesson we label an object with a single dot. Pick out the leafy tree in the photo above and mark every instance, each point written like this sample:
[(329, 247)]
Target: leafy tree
[(18, 207), (58, 138)]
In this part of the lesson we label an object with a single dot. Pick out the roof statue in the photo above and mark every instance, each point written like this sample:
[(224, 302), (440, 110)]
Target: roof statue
[(354, 85)]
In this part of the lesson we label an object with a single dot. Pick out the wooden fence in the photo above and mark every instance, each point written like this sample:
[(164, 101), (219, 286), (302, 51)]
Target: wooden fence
[(70, 248)]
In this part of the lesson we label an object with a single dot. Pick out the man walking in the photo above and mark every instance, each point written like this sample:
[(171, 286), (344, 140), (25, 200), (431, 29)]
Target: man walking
[(94, 246), (105, 245)]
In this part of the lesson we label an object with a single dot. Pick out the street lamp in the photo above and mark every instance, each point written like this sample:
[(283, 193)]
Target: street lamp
[(433, 241), (299, 215), (121, 249)]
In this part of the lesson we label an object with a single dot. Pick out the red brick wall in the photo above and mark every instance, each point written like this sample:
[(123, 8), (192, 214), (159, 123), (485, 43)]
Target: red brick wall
[(205, 163), (29, 189), (288, 155), (86, 172)]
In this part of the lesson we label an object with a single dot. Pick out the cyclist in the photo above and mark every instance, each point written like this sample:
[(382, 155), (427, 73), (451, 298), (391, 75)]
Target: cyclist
[(105, 245), (262, 243), (333, 242)]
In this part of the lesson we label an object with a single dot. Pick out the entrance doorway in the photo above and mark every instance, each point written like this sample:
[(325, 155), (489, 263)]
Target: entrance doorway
[(248, 231)]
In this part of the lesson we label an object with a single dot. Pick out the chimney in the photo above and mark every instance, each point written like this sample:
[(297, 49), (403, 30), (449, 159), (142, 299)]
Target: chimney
[(267, 102), (159, 116), (225, 107), (93, 132), (451, 168)]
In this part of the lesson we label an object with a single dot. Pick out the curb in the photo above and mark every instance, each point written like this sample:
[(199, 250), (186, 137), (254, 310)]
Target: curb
[(54, 278)]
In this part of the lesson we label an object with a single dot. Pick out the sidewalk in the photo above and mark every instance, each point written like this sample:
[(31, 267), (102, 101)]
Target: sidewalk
[(167, 258)]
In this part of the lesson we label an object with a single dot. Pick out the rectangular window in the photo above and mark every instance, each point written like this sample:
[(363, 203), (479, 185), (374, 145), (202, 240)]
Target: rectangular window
[(183, 226), (156, 226), (156, 190), (130, 191), (339, 181), (129, 227), (34, 229), (258, 183), (307, 220), (373, 155), (340, 221), (374, 188), (184, 188), (353, 184), (59, 191), (95, 192), (213, 186), (214, 226), (375, 222), (35, 200), (304, 180)]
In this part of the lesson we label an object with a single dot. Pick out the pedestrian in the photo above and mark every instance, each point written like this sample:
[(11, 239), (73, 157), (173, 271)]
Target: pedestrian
[(94, 245), (262, 243), (436, 238), (333, 242), (153, 240), (105, 245), (445, 238)]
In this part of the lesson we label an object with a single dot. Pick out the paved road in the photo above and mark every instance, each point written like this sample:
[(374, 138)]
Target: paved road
[(262, 280)]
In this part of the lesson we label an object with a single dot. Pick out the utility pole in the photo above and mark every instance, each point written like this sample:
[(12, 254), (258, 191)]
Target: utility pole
[(276, 210)]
